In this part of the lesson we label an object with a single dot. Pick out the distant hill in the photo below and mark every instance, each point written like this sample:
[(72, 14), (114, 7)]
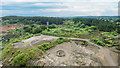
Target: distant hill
[(110, 17), (73, 16)]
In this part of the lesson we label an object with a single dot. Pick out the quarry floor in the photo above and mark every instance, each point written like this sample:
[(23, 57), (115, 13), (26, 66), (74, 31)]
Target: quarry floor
[(70, 53)]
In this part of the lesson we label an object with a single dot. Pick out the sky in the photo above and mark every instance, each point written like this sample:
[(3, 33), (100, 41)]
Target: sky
[(59, 8)]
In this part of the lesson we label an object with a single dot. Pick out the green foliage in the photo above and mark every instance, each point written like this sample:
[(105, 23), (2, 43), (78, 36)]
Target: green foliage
[(6, 22), (35, 52), (98, 42), (61, 40), (26, 36), (82, 26), (16, 40), (71, 23), (6, 50), (84, 43), (27, 28), (13, 33), (34, 28), (70, 30), (112, 42), (46, 46), (93, 27), (17, 52), (105, 25), (20, 59), (109, 34), (32, 20), (52, 26)]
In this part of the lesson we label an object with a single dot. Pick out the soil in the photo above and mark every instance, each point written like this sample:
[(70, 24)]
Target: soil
[(77, 55), (71, 54)]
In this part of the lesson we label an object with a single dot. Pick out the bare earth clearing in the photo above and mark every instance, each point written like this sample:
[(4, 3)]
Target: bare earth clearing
[(70, 53)]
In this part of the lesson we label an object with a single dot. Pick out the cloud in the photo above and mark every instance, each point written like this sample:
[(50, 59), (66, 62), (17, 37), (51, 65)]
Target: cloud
[(60, 8), (104, 0), (60, 0), (48, 4), (42, 4)]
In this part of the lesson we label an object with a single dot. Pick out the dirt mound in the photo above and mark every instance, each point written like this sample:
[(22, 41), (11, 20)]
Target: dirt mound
[(34, 41), (71, 54)]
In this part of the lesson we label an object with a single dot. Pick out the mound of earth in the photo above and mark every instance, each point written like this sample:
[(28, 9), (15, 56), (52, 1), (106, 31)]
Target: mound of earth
[(34, 41), (70, 53)]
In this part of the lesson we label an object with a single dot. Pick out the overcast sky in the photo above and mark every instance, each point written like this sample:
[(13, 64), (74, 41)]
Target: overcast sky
[(59, 7)]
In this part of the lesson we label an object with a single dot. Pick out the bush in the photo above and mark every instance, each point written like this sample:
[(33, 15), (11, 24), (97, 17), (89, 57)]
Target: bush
[(84, 43), (20, 59), (28, 36), (98, 42), (52, 26), (17, 52), (16, 40), (109, 34), (46, 46), (6, 51), (61, 40)]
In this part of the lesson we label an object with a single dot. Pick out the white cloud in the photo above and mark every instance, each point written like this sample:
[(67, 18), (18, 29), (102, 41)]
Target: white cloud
[(92, 9), (48, 4), (60, 0), (114, 9), (104, 0), (72, 7), (42, 4)]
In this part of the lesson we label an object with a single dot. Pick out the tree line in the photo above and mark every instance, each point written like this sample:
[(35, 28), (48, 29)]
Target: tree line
[(32, 20), (102, 24)]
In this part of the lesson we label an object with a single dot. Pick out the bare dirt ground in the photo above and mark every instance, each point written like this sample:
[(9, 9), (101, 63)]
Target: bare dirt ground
[(71, 54), (77, 55), (33, 41)]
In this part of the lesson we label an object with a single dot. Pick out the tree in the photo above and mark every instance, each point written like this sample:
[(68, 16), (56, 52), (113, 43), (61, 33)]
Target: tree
[(52, 26)]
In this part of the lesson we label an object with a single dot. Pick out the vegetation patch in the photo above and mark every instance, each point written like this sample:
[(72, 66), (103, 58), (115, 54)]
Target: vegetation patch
[(98, 42), (84, 43), (21, 56)]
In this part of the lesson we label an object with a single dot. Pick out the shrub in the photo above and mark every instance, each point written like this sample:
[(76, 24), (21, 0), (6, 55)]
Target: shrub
[(96, 41), (17, 52), (61, 40), (109, 34), (16, 40), (35, 53), (44, 46), (6, 51), (20, 59), (84, 43), (52, 26)]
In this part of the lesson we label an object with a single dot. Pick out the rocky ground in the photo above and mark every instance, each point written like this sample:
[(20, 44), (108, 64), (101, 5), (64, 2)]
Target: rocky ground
[(34, 41), (72, 54)]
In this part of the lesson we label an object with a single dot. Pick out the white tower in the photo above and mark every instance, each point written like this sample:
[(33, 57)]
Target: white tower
[(47, 24), (22, 31)]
